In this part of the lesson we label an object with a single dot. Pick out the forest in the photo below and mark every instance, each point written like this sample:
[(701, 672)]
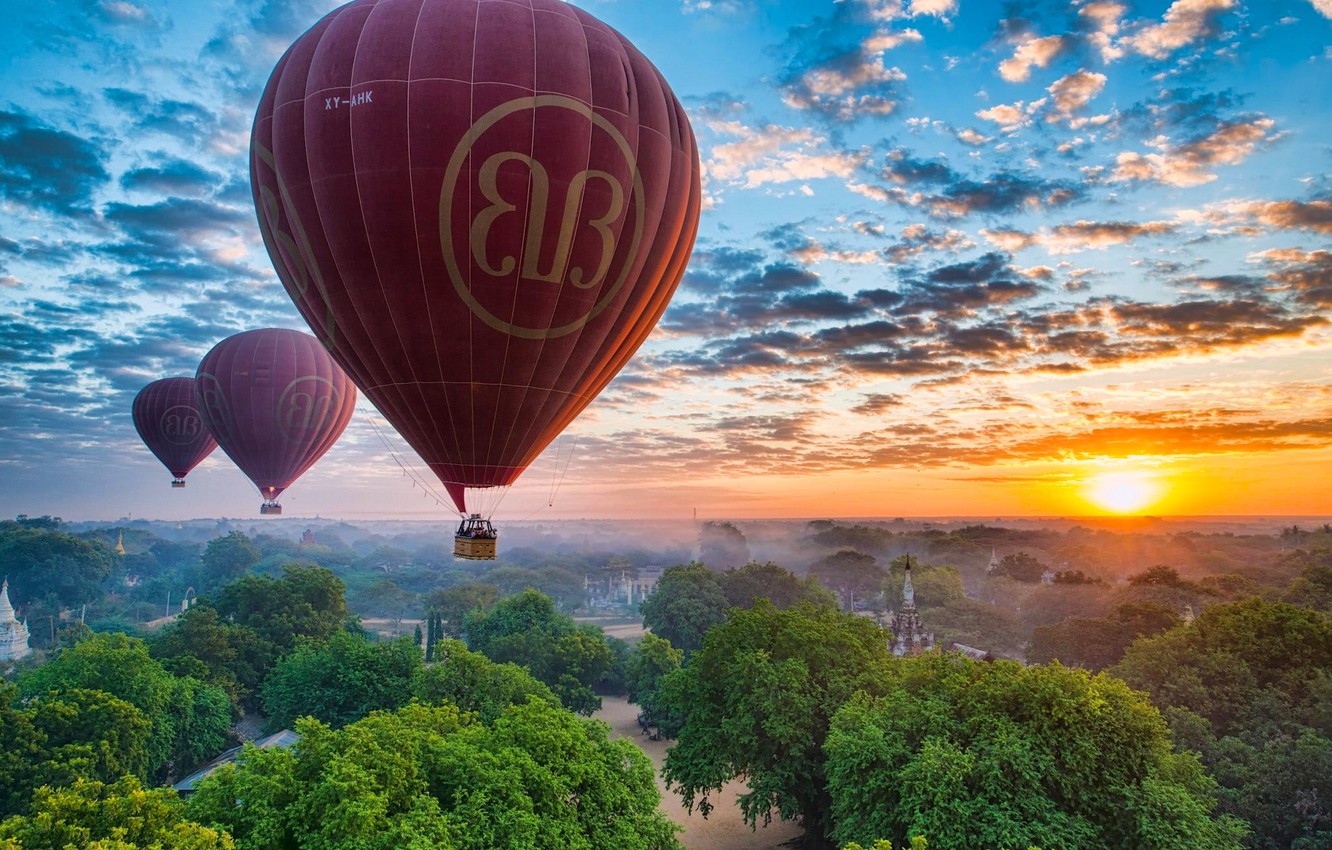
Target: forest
[(1151, 686)]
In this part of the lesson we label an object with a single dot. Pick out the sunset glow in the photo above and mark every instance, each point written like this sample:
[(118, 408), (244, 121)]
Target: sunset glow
[(1124, 492)]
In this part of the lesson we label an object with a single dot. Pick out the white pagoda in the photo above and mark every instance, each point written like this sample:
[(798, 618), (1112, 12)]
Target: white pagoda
[(13, 634)]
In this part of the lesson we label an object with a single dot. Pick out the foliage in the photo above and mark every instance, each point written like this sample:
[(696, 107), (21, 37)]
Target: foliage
[(305, 602), (226, 559), (849, 574), (121, 815), (757, 701), (474, 683), (722, 546), (935, 586), (42, 561), (190, 719), (651, 661), (526, 629), (873, 541), (453, 604), (1001, 755), (424, 777), (744, 585), (1249, 686), (1099, 642), (1021, 566), (686, 602), (55, 738), (339, 681)]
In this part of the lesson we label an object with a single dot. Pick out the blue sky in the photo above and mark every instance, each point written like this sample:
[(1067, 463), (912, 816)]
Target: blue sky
[(957, 258)]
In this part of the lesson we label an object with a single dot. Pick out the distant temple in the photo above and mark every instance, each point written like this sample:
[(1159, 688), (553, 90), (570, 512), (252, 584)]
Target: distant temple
[(993, 568), (13, 634), (308, 538), (120, 543), (908, 631)]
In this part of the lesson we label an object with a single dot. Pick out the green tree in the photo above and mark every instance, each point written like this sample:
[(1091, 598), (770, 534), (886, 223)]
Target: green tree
[(120, 815), (1000, 755), (424, 777), (474, 683), (56, 738), (190, 720), (757, 701), (722, 545), (686, 602), (1099, 642), (339, 681), (650, 662), (744, 585), (526, 629), (305, 602), (226, 559), (453, 604), (853, 576), (43, 562)]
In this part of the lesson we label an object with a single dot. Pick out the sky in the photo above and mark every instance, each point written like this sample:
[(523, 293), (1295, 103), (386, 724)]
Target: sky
[(957, 258)]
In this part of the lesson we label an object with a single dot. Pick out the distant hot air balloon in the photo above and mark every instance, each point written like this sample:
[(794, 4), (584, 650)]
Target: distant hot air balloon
[(170, 425), (481, 208), (275, 402)]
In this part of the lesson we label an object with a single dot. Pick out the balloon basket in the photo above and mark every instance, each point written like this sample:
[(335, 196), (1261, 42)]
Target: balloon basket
[(177, 484), (270, 509), (474, 548)]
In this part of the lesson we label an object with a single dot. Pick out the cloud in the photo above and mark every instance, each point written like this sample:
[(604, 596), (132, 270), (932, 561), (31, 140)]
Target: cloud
[(1074, 91), (972, 137), (1011, 117), (773, 154), (851, 84), (49, 169), (1080, 236), (1191, 163), (1185, 22), (1031, 52), (1324, 8), (1104, 17), (171, 176), (937, 8)]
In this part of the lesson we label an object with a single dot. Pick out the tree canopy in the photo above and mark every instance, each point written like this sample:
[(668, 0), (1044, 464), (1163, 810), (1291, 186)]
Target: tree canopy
[(339, 680), (426, 777), (686, 601)]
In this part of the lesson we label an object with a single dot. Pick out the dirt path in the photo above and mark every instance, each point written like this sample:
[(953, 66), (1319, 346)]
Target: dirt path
[(723, 829)]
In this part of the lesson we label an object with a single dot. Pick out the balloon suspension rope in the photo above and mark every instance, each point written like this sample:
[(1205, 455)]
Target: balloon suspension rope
[(409, 471)]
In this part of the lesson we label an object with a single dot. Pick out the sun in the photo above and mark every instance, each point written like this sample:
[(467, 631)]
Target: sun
[(1123, 492)]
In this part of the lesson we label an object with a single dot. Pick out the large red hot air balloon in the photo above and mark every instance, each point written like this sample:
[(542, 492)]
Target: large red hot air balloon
[(170, 425), (481, 207), (275, 402)]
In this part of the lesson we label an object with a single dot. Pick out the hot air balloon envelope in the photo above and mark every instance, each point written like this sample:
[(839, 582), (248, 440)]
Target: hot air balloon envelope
[(275, 402), (170, 425), (481, 208)]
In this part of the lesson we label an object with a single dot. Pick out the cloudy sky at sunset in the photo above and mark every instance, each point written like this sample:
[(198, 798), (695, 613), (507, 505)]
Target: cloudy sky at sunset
[(957, 258)]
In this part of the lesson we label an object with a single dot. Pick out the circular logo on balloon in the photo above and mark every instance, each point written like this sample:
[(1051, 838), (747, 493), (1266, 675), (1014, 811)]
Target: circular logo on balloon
[(181, 425), (538, 244), (213, 406), (306, 407)]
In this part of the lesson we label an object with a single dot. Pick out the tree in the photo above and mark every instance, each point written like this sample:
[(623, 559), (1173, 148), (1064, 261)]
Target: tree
[(1000, 755), (722, 546), (1099, 642), (849, 574), (55, 738), (474, 683), (41, 561), (455, 603), (686, 602), (120, 815), (190, 720), (226, 559), (339, 681), (1021, 566), (1249, 686), (526, 629), (757, 701), (744, 585), (426, 777), (305, 602), (650, 662)]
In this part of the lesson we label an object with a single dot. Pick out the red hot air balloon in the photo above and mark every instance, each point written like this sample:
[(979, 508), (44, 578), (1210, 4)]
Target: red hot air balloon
[(275, 402), (481, 207), (170, 425)]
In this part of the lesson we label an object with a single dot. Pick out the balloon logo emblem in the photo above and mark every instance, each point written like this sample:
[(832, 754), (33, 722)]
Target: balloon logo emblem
[(305, 408), (586, 257), (181, 424)]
